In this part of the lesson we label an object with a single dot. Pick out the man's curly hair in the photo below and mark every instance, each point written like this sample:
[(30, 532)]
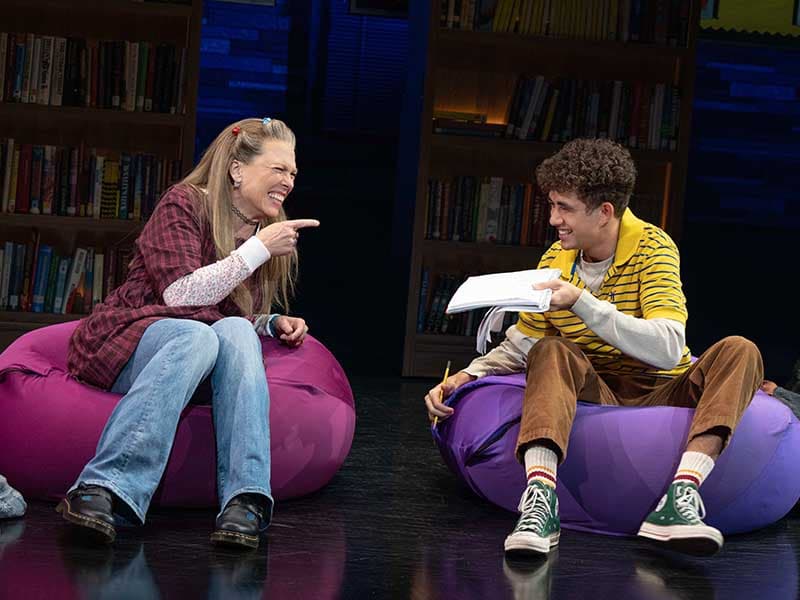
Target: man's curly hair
[(595, 170)]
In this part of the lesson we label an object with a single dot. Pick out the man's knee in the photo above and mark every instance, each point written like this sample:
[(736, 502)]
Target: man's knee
[(550, 345), (743, 347)]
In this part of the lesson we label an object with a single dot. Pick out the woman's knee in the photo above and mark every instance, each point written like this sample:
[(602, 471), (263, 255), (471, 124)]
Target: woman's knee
[(233, 327), (197, 339)]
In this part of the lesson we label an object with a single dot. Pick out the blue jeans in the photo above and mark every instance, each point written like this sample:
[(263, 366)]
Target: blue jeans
[(173, 357), (12, 504)]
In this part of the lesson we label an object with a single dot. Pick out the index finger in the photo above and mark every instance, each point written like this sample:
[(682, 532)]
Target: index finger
[(300, 223)]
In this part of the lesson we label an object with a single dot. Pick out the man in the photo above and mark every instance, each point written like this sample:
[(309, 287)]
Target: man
[(614, 335)]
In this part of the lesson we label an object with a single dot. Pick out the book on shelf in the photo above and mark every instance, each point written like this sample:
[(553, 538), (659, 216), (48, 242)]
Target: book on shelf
[(22, 195), (80, 297), (10, 200), (37, 166), (46, 69), (28, 53), (36, 57), (77, 266), (502, 292), (72, 181), (459, 115), (641, 115), (6, 165), (661, 22), (42, 276), (111, 74), (57, 75), (454, 127), (5, 280), (35, 277), (60, 284), (98, 278), (16, 278), (50, 284), (487, 209), (3, 57), (433, 314), (31, 258)]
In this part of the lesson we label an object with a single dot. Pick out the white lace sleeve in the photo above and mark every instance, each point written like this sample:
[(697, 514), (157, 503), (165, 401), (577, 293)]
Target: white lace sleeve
[(211, 284), (208, 285)]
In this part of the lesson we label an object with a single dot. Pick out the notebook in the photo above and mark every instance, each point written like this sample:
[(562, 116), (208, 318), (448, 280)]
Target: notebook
[(502, 292)]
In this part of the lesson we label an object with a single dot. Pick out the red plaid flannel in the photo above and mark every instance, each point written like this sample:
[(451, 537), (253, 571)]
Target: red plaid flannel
[(172, 244)]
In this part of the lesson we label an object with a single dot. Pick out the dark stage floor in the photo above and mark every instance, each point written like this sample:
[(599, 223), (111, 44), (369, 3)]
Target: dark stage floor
[(394, 523)]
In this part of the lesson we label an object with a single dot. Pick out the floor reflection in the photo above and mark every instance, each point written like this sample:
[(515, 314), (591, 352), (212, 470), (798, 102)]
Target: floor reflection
[(169, 557), (394, 523), (464, 566)]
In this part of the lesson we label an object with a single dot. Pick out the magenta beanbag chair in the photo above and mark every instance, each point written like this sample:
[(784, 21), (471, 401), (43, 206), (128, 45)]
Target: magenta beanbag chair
[(621, 460), (50, 423)]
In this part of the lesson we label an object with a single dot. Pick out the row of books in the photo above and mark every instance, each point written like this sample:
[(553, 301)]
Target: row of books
[(662, 22), (113, 74), (487, 209), (436, 289), (35, 277), (80, 181), (638, 114)]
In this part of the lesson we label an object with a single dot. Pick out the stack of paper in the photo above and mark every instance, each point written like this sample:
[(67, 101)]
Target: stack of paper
[(503, 292)]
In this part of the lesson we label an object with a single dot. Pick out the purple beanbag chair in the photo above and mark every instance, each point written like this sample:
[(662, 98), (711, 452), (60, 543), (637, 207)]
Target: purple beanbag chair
[(621, 460), (50, 423)]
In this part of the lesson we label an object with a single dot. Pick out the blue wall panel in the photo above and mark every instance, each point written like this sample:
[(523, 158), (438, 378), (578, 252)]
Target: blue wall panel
[(243, 65), (366, 72), (745, 154)]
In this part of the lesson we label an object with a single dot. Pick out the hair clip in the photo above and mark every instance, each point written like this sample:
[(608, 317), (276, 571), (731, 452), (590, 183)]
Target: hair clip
[(236, 130), (265, 120)]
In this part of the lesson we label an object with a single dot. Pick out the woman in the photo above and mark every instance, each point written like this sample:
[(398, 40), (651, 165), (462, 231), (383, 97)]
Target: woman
[(213, 258)]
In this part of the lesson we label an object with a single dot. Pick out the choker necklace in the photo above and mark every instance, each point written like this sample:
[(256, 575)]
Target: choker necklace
[(241, 215)]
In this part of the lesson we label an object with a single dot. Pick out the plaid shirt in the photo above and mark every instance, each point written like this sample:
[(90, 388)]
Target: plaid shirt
[(172, 244)]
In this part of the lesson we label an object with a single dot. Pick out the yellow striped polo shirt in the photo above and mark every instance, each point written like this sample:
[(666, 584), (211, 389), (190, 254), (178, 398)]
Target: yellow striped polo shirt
[(643, 281)]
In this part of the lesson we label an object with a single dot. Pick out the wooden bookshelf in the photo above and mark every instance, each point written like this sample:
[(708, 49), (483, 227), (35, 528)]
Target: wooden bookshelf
[(32, 113), (165, 132), (477, 72)]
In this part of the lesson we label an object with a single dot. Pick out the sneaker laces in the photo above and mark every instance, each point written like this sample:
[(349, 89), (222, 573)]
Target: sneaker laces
[(689, 503), (535, 508)]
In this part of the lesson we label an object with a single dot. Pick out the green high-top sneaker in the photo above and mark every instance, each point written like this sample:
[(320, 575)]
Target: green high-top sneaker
[(677, 522), (539, 527)]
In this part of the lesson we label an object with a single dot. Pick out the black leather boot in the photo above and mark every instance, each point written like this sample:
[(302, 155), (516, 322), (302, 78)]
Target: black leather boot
[(241, 522), (91, 508)]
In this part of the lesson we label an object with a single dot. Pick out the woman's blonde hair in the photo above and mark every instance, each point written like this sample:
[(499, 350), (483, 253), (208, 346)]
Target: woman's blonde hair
[(277, 277)]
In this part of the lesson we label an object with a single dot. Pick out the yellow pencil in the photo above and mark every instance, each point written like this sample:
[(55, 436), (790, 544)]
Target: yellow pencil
[(441, 397)]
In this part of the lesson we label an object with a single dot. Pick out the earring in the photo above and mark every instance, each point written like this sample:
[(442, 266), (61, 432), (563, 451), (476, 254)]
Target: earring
[(237, 185)]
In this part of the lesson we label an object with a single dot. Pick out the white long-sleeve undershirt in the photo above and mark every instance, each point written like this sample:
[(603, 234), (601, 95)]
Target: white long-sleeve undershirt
[(656, 342), (213, 283)]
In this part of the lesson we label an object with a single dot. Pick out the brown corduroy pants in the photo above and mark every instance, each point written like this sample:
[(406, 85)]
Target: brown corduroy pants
[(719, 385)]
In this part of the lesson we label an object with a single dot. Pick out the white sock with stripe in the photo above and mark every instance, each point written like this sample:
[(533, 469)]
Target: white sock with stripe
[(694, 468), (541, 464)]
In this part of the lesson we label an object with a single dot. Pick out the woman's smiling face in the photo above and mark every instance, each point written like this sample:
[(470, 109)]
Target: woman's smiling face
[(266, 181)]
